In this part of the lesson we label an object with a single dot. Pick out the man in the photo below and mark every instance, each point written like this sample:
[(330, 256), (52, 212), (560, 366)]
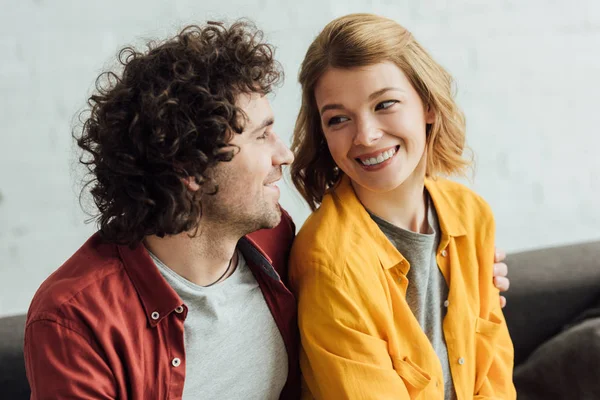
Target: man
[(182, 292)]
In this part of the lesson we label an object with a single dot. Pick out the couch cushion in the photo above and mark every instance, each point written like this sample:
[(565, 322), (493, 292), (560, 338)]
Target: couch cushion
[(549, 289), (565, 367)]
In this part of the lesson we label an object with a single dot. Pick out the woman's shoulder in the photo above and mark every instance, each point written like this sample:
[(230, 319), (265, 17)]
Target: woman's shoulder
[(325, 238), (457, 198)]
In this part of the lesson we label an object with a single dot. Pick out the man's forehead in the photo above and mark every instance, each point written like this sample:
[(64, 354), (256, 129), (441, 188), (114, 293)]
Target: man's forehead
[(257, 108), (247, 101)]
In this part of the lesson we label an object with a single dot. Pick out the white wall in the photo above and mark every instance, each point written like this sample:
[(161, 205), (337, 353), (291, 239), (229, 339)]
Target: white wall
[(527, 73)]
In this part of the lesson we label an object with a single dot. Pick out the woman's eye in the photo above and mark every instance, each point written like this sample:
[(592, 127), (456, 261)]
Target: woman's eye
[(263, 136), (385, 104), (336, 120)]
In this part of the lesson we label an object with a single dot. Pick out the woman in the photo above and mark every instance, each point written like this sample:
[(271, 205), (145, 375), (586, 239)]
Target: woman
[(393, 271)]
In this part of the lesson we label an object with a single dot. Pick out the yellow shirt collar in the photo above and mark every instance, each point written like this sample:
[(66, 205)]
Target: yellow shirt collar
[(350, 206)]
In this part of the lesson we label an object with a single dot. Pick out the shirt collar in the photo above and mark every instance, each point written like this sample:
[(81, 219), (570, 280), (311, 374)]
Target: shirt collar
[(351, 207), (158, 298), (449, 216)]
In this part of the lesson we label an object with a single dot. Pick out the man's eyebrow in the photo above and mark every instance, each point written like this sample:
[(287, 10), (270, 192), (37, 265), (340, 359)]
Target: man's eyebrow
[(266, 122), (372, 96)]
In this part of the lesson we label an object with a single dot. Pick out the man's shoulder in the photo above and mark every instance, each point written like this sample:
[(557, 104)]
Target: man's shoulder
[(82, 282)]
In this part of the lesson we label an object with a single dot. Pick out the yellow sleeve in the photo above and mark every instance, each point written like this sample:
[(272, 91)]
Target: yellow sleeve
[(342, 356), (494, 348)]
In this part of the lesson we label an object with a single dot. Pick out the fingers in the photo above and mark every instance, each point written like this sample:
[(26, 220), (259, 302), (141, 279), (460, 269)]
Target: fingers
[(500, 273), (501, 283), (500, 269), (502, 301), (499, 255)]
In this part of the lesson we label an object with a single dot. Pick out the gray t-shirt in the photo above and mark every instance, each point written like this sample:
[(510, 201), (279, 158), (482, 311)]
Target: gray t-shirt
[(233, 348), (427, 289)]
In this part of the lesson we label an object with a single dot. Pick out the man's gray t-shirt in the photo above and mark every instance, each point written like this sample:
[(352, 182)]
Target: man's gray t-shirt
[(427, 289), (233, 348)]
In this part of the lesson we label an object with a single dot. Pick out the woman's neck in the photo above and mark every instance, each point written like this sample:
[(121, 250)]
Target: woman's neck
[(404, 207)]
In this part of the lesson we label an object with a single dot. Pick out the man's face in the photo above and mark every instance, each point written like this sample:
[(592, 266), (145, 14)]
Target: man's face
[(248, 198)]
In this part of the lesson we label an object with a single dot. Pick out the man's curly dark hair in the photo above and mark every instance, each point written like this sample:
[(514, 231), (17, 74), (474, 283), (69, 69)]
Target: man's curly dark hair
[(168, 116)]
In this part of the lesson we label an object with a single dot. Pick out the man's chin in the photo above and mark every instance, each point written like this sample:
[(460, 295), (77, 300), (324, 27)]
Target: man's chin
[(273, 219), (268, 220)]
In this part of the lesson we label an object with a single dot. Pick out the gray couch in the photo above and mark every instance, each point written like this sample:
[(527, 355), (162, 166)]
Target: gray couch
[(553, 314), (13, 382)]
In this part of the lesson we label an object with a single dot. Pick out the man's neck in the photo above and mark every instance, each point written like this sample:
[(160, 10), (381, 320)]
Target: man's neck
[(201, 259), (405, 206)]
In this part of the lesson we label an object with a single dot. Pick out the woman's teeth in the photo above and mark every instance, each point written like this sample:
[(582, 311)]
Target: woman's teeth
[(380, 158)]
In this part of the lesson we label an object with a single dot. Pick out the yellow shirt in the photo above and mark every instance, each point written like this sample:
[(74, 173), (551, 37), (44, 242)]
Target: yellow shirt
[(360, 340)]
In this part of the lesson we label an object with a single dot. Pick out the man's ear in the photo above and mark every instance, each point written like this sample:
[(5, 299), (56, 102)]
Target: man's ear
[(191, 183)]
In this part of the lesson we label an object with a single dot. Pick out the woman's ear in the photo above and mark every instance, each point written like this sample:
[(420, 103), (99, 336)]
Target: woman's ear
[(429, 115), (191, 183)]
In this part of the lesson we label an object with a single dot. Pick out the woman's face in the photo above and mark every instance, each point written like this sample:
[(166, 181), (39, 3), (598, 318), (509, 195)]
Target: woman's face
[(374, 123)]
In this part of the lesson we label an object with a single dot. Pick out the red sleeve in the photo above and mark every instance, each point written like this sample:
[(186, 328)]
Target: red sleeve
[(63, 363)]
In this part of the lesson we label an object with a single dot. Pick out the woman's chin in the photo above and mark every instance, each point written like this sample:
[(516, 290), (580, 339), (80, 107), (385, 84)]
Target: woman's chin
[(378, 184)]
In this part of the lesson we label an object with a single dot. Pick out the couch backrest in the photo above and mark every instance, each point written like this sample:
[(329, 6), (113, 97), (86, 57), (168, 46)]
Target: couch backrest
[(13, 382), (549, 288)]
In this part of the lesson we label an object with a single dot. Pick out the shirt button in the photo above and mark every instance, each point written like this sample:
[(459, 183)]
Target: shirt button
[(446, 303), (461, 361), (176, 362), (155, 315), (179, 310), (444, 253)]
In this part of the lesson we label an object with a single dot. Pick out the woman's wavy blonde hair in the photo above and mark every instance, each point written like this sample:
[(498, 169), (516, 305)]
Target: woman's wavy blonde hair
[(357, 40)]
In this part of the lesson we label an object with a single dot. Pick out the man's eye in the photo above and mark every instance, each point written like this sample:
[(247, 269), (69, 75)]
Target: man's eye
[(336, 120), (385, 104), (263, 136)]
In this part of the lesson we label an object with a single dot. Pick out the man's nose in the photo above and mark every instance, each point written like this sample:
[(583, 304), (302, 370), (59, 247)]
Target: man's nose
[(283, 155)]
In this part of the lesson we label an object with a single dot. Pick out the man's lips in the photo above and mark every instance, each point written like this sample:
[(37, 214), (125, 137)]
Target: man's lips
[(273, 182)]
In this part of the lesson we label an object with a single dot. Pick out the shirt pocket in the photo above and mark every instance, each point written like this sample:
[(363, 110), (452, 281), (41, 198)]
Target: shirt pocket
[(415, 379), (486, 336)]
